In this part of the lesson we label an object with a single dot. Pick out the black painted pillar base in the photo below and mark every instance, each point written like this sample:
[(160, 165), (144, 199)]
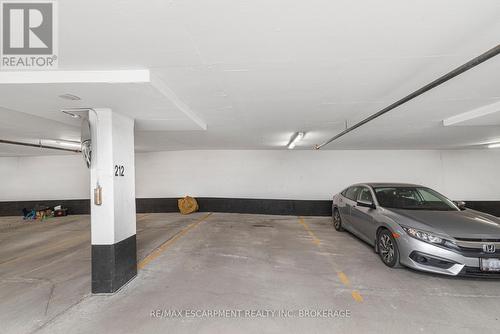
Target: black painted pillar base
[(113, 265)]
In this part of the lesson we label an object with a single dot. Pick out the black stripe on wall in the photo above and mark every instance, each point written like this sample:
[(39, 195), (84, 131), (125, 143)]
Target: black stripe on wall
[(491, 207), (241, 205), (267, 206), (216, 204)]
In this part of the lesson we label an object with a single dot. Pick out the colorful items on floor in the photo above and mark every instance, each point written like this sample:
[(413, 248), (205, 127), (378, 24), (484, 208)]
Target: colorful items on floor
[(43, 212)]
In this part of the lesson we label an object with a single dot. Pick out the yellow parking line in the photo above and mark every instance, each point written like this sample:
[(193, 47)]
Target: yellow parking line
[(311, 233), (342, 276), (356, 296), (155, 253)]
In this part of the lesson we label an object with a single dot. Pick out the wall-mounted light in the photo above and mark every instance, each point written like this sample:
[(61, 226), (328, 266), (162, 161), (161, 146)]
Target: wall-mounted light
[(295, 139), (495, 145)]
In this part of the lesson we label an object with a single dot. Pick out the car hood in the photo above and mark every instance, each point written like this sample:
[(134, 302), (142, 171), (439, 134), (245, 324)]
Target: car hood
[(457, 224)]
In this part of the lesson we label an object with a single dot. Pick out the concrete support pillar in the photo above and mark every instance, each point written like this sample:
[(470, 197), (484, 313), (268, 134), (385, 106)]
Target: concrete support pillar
[(113, 222)]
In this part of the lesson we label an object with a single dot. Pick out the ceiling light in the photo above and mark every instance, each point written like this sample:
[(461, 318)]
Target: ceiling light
[(295, 139), (70, 97), (496, 145)]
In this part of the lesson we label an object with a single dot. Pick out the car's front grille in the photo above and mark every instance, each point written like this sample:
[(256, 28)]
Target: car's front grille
[(477, 240), (475, 252), (474, 247)]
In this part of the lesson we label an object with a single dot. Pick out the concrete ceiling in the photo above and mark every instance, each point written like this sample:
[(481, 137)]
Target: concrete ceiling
[(257, 71)]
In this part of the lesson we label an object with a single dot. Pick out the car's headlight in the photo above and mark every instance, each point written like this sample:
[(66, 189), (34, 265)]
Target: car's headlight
[(424, 236)]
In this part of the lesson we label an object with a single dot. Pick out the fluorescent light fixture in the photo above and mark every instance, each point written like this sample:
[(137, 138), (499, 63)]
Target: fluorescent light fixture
[(495, 145), (472, 115), (295, 139)]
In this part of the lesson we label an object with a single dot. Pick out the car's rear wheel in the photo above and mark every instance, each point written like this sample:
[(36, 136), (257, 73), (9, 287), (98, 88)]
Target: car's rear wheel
[(388, 248), (337, 220)]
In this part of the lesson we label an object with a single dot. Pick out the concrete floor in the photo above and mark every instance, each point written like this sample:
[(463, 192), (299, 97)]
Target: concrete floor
[(228, 262)]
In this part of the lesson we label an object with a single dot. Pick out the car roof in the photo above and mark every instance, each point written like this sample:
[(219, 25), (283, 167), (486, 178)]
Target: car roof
[(388, 184)]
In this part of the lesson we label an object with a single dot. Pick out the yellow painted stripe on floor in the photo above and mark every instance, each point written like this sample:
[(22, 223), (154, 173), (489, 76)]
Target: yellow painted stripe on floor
[(311, 233), (155, 253), (356, 296), (343, 278)]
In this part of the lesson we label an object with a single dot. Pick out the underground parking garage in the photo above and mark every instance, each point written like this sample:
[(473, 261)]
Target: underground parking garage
[(248, 167)]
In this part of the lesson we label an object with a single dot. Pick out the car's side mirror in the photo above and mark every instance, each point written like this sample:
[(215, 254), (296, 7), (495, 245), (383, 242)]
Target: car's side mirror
[(461, 205), (366, 204)]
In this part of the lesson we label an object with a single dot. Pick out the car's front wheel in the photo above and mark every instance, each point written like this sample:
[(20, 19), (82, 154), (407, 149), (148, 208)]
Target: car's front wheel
[(388, 248), (337, 220)]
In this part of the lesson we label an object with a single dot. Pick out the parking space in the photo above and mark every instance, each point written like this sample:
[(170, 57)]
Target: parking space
[(231, 262)]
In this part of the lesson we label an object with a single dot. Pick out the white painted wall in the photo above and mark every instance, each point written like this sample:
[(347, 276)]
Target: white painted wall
[(472, 175), (467, 175), (43, 177)]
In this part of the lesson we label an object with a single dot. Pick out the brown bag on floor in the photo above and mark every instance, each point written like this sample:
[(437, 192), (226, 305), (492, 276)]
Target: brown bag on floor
[(187, 205)]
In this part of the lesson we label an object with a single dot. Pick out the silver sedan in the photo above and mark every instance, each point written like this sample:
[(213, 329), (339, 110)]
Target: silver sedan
[(417, 227)]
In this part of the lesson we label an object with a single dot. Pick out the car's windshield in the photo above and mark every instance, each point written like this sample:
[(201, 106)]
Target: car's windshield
[(413, 198)]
